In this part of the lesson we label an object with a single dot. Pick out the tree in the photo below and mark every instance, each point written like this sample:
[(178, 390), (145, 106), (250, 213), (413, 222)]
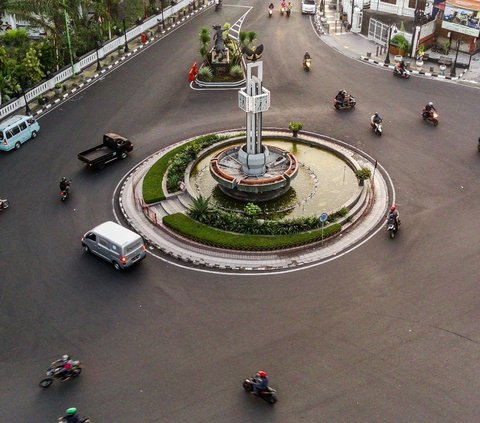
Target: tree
[(30, 69)]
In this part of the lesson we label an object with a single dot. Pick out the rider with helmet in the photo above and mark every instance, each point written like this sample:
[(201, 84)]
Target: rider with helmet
[(393, 213), (429, 109), (64, 184), (375, 119), (401, 67), (341, 97), (63, 366), (71, 416), (261, 382)]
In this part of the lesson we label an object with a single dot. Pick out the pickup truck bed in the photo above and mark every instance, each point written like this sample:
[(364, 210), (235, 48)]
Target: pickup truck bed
[(114, 147)]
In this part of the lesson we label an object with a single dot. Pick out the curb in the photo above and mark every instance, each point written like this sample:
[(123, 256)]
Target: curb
[(413, 72)]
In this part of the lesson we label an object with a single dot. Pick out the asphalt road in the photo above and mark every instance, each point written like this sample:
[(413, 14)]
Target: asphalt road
[(388, 333)]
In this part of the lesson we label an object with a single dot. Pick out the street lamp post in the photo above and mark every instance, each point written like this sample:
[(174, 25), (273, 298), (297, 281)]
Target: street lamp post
[(454, 65), (125, 34), (387, 59), (98, 44)]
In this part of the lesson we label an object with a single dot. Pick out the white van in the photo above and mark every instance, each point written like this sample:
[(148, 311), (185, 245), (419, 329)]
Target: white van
[(16, 130), (308, 6), (116, 244)]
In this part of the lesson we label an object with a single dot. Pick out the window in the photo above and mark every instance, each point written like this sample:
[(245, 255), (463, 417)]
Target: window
[(309, 1), (23, 126), (389, 1), (1, 135), (91, 237), (420, 4), (9, 135), (103, 243), (31, 121), (15, 130)]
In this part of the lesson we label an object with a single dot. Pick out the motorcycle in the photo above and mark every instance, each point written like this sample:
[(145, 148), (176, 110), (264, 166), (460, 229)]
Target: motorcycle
[(55, 372), (82, 420), (431, 116), (307, 63), (282, 10), (65, 193), (218, 6), (289, 10), (4, 204), (270, 13), (405, 74), (349, 103), (377, 128), (392, 227), (267, 394)]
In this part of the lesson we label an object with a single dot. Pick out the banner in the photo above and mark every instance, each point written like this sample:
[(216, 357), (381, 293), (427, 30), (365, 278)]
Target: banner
[(462, 16)]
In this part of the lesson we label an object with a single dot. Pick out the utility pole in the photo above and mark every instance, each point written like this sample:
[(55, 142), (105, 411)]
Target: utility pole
[(67, 27)]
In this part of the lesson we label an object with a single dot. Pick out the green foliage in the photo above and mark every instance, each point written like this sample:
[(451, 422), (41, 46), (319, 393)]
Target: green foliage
[(295, 126), (152, 183), (204, 36), (236, 71), (421, 50), (446, 47), (251, 35), (205, 73), (400, 41), (31, 68), (200, 208), (343, 211), (363, 173), (15, 38), (252, 210), (204, 234)]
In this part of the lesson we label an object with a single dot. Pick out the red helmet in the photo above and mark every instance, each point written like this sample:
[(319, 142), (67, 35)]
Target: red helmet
[(261, 373), (393, 208)]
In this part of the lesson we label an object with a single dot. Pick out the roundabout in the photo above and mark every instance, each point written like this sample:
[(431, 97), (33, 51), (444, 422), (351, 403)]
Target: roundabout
[(367, 209)]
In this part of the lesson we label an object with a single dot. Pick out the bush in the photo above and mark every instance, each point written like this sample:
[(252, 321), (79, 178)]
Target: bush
[(205, 73), (199, 232), (363, 173), (295, 126), (236, 71), (401, 42)]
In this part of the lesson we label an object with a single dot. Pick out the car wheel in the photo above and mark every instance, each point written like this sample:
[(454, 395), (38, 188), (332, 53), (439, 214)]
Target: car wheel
[(34, 134), (116, 266), (86, 248), (124, 155), (18, 144)]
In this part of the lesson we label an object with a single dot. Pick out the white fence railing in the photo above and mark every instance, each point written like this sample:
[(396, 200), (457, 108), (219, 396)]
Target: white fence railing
[(87, 60)]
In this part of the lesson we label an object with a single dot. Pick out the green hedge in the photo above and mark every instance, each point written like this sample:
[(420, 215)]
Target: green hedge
[(152, 183), (199, 232)]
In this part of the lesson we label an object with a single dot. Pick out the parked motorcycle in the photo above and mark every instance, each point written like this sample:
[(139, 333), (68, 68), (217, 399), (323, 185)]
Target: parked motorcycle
[(282, 10), (349, 103), (289, 10), (55, 371), (405, 74), (267, 394), (392, 227), (4, 204), (270, 13), (218, 5), (431, 116)]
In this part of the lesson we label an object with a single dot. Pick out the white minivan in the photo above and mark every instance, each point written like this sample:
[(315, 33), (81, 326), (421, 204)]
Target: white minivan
[(16, 130), (116, 244), (308, 6)]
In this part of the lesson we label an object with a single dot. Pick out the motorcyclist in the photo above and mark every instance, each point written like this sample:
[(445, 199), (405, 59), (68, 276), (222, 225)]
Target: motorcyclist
[(375, 120), (341, 97), (283, 4), (401, 67), (71, 416), (64, 184), (261, 382), (1, 204), (271, 6), (289, 5), (306, 57), (429, 109), (393, 213), (63, 366)]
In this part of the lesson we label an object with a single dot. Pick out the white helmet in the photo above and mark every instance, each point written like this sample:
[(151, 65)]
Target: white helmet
[(65, 357), (430, 103)]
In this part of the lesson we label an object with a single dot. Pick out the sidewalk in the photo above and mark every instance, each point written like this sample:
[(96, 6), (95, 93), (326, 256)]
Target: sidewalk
[(357, 46)]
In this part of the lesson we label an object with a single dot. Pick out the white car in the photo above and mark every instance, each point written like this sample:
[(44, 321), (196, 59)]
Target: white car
[(309, 6)]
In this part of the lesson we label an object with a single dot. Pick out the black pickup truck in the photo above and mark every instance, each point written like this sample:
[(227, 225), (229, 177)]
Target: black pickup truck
[(114, 147)]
